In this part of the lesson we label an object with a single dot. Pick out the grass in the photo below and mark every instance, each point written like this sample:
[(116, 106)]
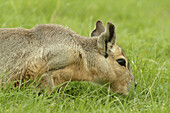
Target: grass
[(143, 30)]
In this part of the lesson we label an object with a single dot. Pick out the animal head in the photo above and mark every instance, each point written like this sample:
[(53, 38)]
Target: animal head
[(119, 74)]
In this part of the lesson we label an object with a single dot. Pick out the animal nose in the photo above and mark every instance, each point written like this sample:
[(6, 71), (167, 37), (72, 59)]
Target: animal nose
[(136, 85)]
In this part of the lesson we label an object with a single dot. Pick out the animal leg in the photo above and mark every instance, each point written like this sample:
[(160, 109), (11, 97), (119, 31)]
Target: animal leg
[(60, 77)]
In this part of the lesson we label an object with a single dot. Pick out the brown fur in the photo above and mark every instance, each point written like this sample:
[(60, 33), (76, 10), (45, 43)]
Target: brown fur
[(54, 54)]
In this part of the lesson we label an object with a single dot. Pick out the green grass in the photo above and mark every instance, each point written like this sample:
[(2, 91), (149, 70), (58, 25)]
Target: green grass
[(143, 30)]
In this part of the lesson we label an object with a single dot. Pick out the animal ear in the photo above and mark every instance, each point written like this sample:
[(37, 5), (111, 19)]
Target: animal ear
[(107, 39), (99, 29)]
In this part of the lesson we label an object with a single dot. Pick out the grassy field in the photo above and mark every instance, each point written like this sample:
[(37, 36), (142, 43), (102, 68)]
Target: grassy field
[(143, 30)]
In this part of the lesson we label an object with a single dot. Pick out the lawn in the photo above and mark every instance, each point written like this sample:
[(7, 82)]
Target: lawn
[(143, 31)]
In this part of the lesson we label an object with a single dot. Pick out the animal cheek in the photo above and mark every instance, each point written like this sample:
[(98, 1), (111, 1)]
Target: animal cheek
[(123, 84)]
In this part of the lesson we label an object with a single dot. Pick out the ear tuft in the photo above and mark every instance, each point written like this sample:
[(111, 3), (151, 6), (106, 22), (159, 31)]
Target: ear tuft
[(107, 39), (98, 29), (111, 33)]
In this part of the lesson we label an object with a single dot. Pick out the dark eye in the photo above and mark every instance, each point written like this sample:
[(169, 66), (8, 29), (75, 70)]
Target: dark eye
[(122, 62)]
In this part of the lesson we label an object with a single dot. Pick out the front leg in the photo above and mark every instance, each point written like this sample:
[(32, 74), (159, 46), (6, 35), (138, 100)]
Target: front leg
[(45, 80), (60, 77), (50, 80)]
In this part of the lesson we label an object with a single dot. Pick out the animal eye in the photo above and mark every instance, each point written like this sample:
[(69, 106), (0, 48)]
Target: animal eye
[(122, 62)]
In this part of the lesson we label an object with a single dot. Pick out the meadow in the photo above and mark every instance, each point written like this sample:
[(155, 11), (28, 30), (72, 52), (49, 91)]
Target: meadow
[(143, 31)]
